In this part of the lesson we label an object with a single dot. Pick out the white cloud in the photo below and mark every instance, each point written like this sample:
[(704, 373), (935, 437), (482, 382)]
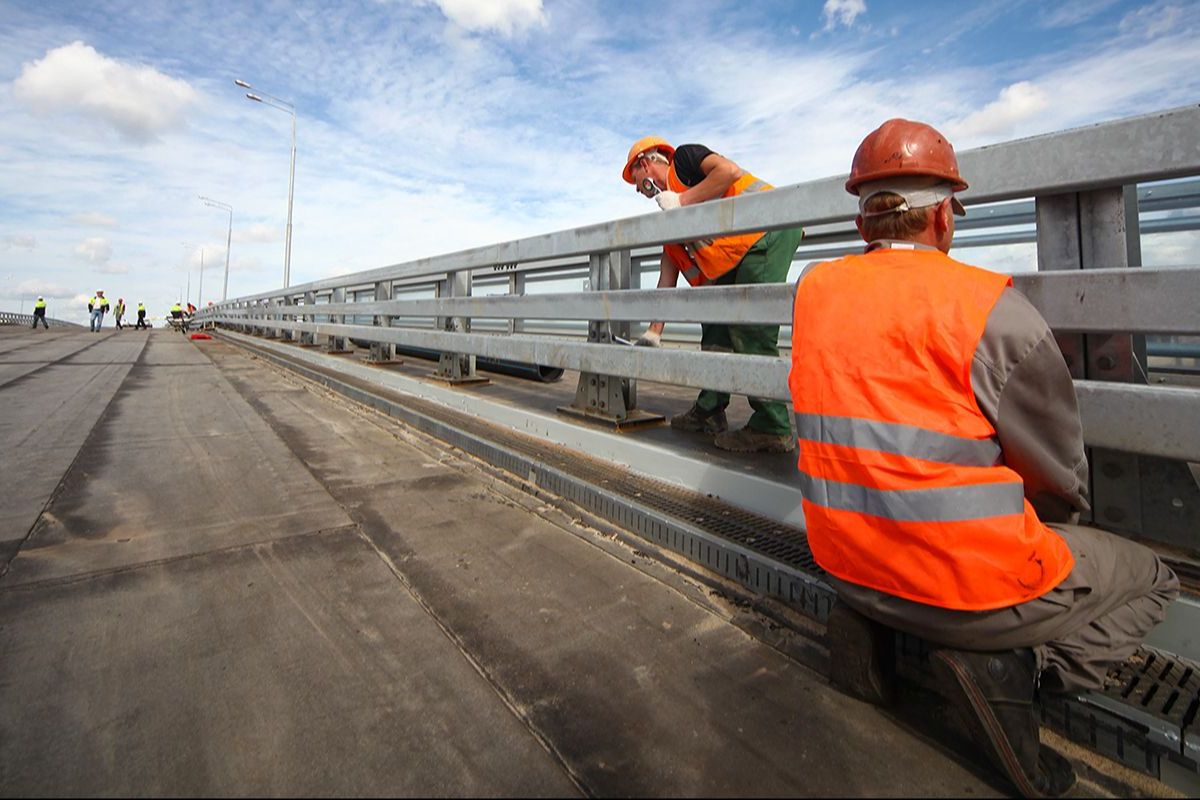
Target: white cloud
[(1152, 20), (96, 250), (94, 219), (257, 233), (35, 287), (1067, 13), (1016, 104), (22, 240), (137, 101), (113, 269), (503, 16), (842, 12)]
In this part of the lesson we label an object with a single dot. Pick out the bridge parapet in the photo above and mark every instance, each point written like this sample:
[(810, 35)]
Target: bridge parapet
[(1084, 211)]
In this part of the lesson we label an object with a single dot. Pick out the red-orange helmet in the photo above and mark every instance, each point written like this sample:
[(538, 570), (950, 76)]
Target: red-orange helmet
[(903, 147), (640, 148)]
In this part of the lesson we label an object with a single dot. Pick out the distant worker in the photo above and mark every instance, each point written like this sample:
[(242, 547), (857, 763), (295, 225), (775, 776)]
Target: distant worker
[(693, 174), (177, 311), (39, 313), (97, 307), (191, 309), (119, 312), (141, 314), (942, 466)]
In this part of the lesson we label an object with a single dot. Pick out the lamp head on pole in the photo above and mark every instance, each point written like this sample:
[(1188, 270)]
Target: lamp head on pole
[(253, 97), (242, 83)]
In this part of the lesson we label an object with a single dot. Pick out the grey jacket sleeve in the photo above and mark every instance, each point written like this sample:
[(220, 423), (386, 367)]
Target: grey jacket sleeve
[(1023, 387)]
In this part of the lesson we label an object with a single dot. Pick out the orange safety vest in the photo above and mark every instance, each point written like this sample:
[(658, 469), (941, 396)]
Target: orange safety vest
[(708, 259), (905, 487)]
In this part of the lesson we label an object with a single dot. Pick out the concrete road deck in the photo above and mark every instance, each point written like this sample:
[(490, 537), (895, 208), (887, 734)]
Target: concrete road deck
[(217, 579)]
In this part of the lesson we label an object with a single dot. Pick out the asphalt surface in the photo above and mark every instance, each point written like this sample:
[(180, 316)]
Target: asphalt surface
[(217, 579)]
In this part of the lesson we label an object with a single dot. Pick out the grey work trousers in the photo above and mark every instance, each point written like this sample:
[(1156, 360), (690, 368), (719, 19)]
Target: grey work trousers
[(1096, 618)]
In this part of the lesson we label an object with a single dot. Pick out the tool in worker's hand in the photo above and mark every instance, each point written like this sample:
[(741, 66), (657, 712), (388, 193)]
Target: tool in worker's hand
[(619, 340), (649, 187)]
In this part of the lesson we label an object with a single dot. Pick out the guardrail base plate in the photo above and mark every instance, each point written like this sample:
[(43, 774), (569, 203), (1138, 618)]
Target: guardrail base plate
[(636, 418)]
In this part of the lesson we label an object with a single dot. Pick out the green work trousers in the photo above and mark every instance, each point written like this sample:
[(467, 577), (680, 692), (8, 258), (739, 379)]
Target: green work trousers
[(768, 261)]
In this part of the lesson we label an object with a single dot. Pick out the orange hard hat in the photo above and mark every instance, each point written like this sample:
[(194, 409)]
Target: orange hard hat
[(641, 147), (903, 147)]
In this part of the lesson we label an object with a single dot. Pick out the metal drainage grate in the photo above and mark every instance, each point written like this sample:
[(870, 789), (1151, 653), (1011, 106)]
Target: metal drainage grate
[(1146, 718)]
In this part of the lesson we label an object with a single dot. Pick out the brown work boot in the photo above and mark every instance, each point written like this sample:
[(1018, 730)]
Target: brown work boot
[(994, 692), (694, 420), (862, 655), (745, 440)]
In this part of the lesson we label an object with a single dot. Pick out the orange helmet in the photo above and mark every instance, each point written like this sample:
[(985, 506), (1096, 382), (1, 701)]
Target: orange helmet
[(640, 148), (903, 147)]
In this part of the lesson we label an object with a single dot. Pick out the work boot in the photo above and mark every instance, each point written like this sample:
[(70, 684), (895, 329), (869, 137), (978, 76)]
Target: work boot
[(995, 691), (696, 420), (862, 655), (746, 440)]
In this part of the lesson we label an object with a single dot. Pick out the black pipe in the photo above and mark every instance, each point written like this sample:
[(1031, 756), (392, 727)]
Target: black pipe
[(533, 372)]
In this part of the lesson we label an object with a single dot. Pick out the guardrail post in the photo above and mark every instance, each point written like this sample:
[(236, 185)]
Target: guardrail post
[(270, 309), (611, 399), (1132, 494), (516, 286), (336, 344), (382, 351), (456, 368), (306, 337), (285, 307)]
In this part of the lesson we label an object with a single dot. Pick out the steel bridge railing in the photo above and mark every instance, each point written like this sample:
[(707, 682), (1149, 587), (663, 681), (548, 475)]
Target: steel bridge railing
[(1078, 188), (9, 318)]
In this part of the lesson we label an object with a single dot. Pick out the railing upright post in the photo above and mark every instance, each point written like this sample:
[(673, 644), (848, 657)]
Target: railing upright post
[(382, 351), (307, 338), (285, 308), (334, 343), (609, 398), (270, 310), (456, 368), (1094, 230), (516, 287)]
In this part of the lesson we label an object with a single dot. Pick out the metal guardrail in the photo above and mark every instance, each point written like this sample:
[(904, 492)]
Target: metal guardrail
[(9, 318), (1058, 170)]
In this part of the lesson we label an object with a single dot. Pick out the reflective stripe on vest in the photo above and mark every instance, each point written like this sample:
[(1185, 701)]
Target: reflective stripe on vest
[(891, 437), (905, 488), (706, 260)]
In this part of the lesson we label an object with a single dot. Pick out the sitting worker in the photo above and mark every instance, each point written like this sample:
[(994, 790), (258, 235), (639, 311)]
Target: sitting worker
[(942, 465), (177, 312), (692, 174)]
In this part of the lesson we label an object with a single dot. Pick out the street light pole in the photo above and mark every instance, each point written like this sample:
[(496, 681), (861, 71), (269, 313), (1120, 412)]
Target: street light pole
[(200, 291), (290, 108), (208, 201)]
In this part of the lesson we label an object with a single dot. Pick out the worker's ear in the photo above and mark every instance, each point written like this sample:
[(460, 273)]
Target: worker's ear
[(858, 223), (943, 218)]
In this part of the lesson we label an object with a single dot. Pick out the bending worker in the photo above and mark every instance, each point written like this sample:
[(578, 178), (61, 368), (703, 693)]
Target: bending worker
[(693, 174), (942, 462)]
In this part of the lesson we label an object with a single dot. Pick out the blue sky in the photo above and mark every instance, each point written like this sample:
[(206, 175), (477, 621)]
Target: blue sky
[(428, 126)]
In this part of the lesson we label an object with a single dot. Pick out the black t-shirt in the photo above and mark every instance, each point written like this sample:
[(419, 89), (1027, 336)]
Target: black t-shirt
[(687, 163)]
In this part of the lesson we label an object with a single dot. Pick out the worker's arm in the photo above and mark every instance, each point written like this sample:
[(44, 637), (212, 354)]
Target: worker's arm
[(668, 278), (1023, 387), (719, 174)]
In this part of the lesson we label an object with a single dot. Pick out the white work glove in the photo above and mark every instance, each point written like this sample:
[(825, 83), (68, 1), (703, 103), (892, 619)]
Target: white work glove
[(667, 200), (649, 339)]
